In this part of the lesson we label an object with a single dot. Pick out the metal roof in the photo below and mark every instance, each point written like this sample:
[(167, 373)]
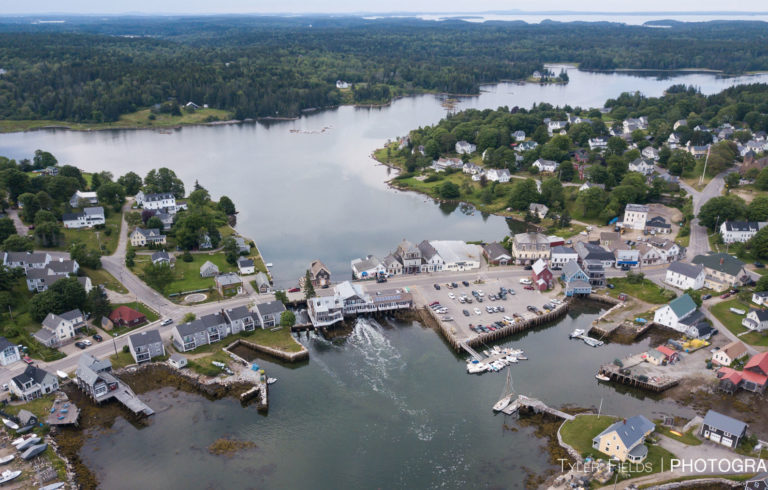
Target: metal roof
[(725, 423)]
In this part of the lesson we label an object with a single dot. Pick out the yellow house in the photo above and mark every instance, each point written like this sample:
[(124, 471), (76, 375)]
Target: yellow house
[(625, 439)]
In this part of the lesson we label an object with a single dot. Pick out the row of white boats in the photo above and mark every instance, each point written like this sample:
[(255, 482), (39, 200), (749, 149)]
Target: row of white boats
[(29, 446), (506, 357)]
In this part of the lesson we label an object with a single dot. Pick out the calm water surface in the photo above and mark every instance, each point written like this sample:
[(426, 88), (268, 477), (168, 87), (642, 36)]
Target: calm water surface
[(390, 407), (308, 196)]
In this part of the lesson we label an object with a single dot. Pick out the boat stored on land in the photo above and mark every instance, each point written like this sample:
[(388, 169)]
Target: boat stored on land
[(8, 475), (7, 459), (28, 443), (34, 451), (10, 424)]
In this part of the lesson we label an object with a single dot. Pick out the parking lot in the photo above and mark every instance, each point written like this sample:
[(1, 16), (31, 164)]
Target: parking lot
[(459, 324)]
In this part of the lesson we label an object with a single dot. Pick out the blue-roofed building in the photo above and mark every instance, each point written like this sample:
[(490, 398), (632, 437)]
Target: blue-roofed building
[(723, 429), (625, 439)]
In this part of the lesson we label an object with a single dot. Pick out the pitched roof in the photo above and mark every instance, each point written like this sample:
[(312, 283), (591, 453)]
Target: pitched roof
[(495, 250), (539, 266), (631, 431), (31, 373), (686, 269), (208, 264), (735, 349), (761, 314), (145, 338), (161, 255), (758, 362), (427, 250), (228, 279), (741, 226), (682, 305), (237, 313), (724, 423), (666, 350), (637, 208), (560, 249), (270, 307), (5, 343), (720, 262), (125, 314)]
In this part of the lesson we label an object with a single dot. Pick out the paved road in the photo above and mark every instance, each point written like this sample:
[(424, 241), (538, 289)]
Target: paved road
[(21, 228)]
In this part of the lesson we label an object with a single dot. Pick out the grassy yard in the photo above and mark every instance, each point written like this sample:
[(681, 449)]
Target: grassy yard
[(93, 238), (187, 274), (101, 276), (18, 325), (578, 433), (688, 438), (40, 407), (140, 307), (121, 359), (470, 191), (732, 321), (645, 291), (280, 339), (691, 177), (138, 119)]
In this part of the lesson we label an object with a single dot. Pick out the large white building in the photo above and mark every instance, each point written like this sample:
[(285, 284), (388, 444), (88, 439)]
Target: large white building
[(683, 275), (367, 268), (560, 255), (678, 315), (739, 231), (350, 299), (156, 201), (635, 216), (458, 255), (88, 218)]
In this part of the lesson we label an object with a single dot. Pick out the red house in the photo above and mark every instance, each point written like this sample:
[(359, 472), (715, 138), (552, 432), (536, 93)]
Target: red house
[(541, 276), (123, 316)]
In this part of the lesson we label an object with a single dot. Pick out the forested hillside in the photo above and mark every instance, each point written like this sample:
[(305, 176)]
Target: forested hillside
[(94, 70)]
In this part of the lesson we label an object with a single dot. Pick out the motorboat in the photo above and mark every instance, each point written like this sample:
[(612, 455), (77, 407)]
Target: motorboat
[(522, 357), (500, 365), (25, 429), (28, 443), (34, 451), (496, 349), (7, 459), (271, 380), (8, 475), (10, 424), (602, 377), (487, 354), (577, 333), (511, 359), (476, 368)]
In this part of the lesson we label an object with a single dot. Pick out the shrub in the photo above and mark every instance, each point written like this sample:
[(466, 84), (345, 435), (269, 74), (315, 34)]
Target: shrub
[(126, 350), (187, 257)]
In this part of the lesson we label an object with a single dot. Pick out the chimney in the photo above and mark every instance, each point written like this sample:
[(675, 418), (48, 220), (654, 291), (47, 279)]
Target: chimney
[(722, 259)]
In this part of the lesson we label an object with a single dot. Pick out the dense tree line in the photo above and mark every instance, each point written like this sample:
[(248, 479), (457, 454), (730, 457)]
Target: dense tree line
[(254, 66)]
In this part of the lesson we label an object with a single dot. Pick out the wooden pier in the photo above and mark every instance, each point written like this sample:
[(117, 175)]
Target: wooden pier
[(537, 406), (656, 384)]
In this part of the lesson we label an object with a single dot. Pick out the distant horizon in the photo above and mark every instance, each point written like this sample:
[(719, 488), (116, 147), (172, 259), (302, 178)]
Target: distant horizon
[(394, 13)]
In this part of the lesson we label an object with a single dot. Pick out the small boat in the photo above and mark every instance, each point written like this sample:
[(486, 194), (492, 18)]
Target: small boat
[(34, 451), (10, 424), (476, 368), (522, 357), (496, 349), (577, 333), (511, 359), (268, 264), (62, 374), (486, 353), (28, 443), (8, 475), (271, 380), (218, 364), (602, 377), (502, 404), (53, 486), (53, 409), (25, 429), (506, 395), (7, 459)]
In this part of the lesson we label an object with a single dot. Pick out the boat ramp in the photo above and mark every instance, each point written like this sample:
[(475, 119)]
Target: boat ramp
[(536, 406)]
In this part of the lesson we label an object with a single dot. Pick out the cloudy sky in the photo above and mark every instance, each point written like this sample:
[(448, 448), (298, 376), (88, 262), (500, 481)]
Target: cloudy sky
[(347, 6)]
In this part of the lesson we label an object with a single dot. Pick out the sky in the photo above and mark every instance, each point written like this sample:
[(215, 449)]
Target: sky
[(11, 7)]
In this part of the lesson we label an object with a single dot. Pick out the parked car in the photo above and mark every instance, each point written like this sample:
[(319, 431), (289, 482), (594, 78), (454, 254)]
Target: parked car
[(525, 280), (97, 337), (610, 286), (466, 313), (528, 287), (434, 303), (478, 312), (465, 283), (80, 345), (167, 321), (453, 284), (759, 265), (87, 342), (437, 286), (27, 359), (294, 290), (451, 295), (706, 296), (528, 267), (725, 296)]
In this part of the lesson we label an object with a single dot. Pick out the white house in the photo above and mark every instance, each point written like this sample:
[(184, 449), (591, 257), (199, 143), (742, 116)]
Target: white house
[(368, 268), (441, 164), (683, 275), (458, 255), (88, 218), (731, 352), (739, 231), (89, 197), (560, 255), (341, 84), (678, 309), (760, 298), (157, 201), (625, 256), (635, 216), (145, 236), (9, 353), (464, 147), (519, 135), (537, 209), (498, 175), (642, 166), (668, 250), (553, 126), (246, 266), (58, 329), (33, 383), (756, 320), (598, 143), (589, 185), (650, 153), (545, 165), (673, 141), (431, 261)]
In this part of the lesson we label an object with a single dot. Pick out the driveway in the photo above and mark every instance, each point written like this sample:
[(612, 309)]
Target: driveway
[(21, 228)]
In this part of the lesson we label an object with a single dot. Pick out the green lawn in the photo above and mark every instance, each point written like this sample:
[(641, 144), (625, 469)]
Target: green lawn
[(280, 339), (645, 291), (469, 191), (101, 276), (138, 119), (732, 321), (187, 274), (40, 407), (103, 240), (121, 359), (578, 433), (140, 307), (688, 438), (18, 325)]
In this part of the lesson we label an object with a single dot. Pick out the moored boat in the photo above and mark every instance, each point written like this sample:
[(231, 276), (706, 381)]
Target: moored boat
[(502, 404), (577, 333), (271, 380), (602, 377)]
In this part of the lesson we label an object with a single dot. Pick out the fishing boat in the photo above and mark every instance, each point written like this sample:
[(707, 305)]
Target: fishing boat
[(28, 443), (34, 451), (602, 377), (10, 424), (8, 475), (271, 380), (7, 459), (577, 333), (506, 395)]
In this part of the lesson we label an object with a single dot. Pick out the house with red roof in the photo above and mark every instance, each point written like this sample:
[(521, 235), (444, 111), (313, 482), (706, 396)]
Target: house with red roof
[(541, 276), (123, 316), (662, 355), (753, 378)]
